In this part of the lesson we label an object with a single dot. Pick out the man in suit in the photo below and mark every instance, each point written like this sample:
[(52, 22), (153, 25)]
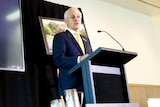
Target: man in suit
[(67, 52)]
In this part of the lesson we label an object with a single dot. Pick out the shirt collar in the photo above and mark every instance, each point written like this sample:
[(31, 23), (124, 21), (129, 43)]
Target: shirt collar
[(72, 31)]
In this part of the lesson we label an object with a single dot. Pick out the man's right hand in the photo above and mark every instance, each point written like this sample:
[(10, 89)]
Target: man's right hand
[(83, 57)]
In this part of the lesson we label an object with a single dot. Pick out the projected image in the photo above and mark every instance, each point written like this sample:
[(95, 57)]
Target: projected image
[(11, 46), (52, 26)]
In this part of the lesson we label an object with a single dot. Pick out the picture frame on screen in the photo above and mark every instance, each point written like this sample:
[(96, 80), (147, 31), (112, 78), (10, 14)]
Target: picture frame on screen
[(50, 27)]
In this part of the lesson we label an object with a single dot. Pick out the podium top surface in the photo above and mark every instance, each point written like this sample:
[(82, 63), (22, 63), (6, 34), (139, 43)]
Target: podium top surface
[(112, 56), (106, 56)]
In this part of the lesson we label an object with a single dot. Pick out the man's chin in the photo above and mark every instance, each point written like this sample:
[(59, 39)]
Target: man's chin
[(77, 28)]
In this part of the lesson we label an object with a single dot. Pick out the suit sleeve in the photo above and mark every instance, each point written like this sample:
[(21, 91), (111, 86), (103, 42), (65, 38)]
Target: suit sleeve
[(60, 58)]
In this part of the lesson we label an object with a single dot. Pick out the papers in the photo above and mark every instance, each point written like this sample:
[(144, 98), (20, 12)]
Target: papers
[(153, 102)]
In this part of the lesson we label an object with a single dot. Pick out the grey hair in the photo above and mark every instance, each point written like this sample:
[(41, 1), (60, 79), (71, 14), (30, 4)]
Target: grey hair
[(66, 14)]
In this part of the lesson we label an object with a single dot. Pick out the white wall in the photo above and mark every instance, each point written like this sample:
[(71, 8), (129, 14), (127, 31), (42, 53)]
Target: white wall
[(135, 31)]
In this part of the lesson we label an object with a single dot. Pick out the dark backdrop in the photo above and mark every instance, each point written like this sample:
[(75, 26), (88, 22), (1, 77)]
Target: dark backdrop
[(32, 88)]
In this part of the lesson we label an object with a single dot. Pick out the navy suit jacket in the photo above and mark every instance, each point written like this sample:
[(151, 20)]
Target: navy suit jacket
[(65, 53)]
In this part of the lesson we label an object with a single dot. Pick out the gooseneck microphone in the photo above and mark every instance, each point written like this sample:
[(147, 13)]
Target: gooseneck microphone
[(99, 31)]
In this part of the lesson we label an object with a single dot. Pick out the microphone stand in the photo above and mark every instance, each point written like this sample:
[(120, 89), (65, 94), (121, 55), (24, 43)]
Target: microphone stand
[(112, 38)]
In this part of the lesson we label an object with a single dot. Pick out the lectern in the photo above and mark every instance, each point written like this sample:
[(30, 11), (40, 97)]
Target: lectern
[(104, 77)]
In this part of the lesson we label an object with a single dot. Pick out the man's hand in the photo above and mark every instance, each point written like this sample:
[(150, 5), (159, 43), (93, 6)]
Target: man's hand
[(83, 57)]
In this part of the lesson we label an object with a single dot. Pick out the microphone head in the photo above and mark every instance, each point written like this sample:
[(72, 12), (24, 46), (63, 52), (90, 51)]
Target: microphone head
[(99, 31)]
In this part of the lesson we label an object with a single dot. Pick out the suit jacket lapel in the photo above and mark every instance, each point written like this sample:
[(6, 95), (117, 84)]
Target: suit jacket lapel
[(74, 41)]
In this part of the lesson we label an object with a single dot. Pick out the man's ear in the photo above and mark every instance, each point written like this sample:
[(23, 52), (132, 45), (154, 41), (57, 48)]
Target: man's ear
[(66, 21)]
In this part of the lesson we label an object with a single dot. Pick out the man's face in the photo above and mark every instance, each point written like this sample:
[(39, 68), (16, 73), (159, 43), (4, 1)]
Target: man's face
[(74, 20)]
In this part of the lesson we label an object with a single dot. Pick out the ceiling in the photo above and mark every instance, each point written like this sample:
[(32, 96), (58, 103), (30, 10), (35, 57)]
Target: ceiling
[(147, 7)]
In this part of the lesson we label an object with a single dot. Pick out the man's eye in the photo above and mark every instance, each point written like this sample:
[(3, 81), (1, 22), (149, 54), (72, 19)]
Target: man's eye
[(75, 17), (78, 16), (72, 17)]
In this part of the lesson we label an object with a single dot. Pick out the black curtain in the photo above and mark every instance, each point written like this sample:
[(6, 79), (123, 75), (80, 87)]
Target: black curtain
[(38, 84)]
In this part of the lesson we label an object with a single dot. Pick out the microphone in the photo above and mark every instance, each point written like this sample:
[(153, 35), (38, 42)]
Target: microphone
[(99, 31)]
